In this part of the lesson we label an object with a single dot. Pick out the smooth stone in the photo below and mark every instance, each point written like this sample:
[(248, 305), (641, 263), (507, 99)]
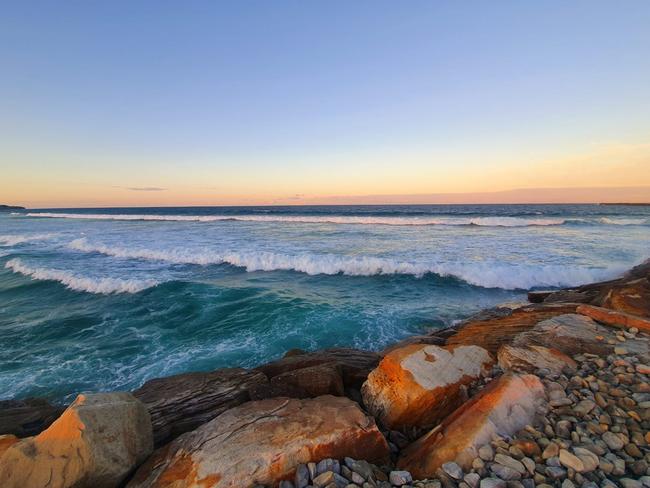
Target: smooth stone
[(400, 478)]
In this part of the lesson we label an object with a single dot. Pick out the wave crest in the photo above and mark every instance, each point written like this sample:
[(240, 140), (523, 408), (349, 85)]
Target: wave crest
[(12, 240), (103, 286), (485, 275), (329, 219)]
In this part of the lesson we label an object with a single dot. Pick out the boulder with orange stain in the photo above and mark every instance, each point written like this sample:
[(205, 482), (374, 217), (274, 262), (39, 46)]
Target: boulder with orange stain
[(418, 385), (262, 442), (6, 441), (504, 407), (96, 442), (615, 319), (529, 359)]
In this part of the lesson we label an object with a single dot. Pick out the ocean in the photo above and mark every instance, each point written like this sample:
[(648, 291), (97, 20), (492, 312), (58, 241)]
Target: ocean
[(105, 299)]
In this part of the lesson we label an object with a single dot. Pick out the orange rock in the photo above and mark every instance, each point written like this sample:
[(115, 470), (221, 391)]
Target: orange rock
[(263, 442), (531, 358), (632, 297), (6, 441), (529, 448), (322, 379), (418, 385), (504, 407), (615, 319), (493, 328), (96, 442)]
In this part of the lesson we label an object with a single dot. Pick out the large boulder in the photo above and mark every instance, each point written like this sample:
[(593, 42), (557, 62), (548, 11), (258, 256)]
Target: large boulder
[(313, 381), (181, 403), (504, 407), (530, 359), (95, 443), (24, 418), (615, 319), (419, 385), (263, 442), (353, 364), (575, 334), (6, 441), (492, 328)]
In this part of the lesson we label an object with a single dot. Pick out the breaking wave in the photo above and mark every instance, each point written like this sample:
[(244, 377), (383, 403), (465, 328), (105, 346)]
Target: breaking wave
[(12, 240), (78, 283), (306, 219), (489, 275)]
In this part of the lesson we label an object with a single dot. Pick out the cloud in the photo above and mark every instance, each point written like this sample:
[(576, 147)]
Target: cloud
[(146, 188)]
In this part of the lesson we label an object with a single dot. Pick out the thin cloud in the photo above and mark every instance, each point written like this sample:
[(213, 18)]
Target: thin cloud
[(146, 188)]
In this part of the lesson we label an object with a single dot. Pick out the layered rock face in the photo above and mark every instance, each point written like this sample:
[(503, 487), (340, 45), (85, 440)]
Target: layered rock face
[(96, 443), (530, 359), (505, 406), (23, 418), (573, 334), (180, 403), (419, 385), (263, 442), (493, 328), (354, 365), (615, 319)]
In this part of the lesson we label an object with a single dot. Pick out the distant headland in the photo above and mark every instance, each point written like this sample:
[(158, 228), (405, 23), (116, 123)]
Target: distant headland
[(4, 208), (622, 203)]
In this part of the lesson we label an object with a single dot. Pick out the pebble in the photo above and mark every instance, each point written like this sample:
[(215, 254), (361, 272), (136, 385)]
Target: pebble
[(400, 478), (453, 470)]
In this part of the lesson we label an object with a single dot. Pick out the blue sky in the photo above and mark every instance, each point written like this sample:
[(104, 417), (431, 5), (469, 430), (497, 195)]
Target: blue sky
[(265, 100)]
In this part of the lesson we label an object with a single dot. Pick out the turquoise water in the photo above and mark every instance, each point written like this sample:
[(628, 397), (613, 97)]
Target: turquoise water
[(105, 299)]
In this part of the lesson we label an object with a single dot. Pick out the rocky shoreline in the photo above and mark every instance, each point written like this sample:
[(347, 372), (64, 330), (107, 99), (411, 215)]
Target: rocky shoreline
[(551, 393)]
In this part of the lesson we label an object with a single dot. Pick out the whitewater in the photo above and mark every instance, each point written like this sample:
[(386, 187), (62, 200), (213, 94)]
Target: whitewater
[(104, 299)]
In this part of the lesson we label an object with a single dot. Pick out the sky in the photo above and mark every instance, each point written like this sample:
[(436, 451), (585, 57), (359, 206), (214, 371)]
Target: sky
[(228, 103)]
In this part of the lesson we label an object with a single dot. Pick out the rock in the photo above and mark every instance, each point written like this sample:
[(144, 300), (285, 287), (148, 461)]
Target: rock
[(354, 365), (530, 359), (181, 403), (486, 453), (615, 319), (322, 379), (510, 463), (493, 483), (301, 478), (24, 418), (262, 442), (6, 441), (570, 333), (453, 470), (502, 408), (472, 479), (569, 460), (589, 459), (419, 385), (613, 441), (97, 442), (400, 478), (492, 328), (584, 407)]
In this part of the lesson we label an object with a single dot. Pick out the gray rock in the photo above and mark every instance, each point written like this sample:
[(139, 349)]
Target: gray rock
[(493, 483), (505, 473), (510, 463), (613, 441), (285, 484), (555, 473), (486, 453), (328, 465), (630, 483), (453, 470), (472, 480), (400, 478), (302, 476)]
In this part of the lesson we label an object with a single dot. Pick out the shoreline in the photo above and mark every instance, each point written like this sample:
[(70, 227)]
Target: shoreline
[(496, 352)]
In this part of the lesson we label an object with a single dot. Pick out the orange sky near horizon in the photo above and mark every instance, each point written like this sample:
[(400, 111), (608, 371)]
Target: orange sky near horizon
[(607, 173)]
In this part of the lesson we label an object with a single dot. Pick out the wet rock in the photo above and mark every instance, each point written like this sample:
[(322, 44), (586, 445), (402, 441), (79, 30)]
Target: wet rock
[(181, 403), (354, 364), (97, 442), (24, 418), (313, 381), (421, 384)]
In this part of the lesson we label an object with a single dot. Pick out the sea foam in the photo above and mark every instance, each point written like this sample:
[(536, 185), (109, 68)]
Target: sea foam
[(12, 240), (79, 283), (325, 219), (488, 275)]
